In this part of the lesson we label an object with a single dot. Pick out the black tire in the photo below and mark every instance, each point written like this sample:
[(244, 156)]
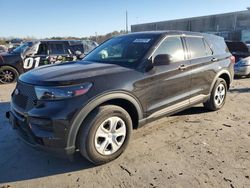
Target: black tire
[(87, 134), (8, 75), (211, 103)]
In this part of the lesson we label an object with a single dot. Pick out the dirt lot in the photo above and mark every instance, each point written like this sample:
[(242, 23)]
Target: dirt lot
[(195, 148)]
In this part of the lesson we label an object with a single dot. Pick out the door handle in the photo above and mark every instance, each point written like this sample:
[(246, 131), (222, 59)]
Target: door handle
[(214, 59), (182, 67)]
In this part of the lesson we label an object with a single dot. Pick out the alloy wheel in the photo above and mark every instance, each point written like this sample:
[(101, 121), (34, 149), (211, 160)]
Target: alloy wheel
[(220, 93), (110, 136), (7, 76)]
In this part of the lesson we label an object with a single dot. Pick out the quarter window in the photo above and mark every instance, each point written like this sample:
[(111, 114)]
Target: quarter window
[(196, 47), (173, 47)]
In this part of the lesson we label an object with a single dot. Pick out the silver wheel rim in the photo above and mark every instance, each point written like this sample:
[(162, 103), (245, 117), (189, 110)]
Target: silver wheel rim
[(7, 76), (110, 136), (220, 93)]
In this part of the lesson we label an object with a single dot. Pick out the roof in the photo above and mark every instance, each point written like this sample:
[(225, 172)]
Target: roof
[(171, 32)]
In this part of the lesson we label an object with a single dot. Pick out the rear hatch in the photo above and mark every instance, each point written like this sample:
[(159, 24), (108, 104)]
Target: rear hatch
[(239, 49)]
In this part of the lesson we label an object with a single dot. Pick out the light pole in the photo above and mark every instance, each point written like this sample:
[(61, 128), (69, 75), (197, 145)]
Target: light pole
[(126, 21)]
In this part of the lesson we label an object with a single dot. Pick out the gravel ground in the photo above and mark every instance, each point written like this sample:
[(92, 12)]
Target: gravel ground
[(194, 148)]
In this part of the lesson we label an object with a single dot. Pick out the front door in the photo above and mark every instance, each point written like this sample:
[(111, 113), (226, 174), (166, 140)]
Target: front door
[(36, 56), (172, 81)]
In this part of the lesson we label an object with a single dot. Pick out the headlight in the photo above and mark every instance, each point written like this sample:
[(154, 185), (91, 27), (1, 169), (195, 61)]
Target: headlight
[(56, 93), (245, 61)]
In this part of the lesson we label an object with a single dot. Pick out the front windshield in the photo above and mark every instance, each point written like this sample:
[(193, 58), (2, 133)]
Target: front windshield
[(22, 48), (125, 50)]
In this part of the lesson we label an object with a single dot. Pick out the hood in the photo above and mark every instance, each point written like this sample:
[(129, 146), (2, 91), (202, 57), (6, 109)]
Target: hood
[(8, 58), (69, 73)]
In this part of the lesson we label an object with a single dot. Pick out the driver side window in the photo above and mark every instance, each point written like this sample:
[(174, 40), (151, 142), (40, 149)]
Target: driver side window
[(173, 47), (42, 50)]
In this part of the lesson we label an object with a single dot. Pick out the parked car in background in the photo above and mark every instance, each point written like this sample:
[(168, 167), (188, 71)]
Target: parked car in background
[(241, 51), (3, 49), (33, 54), (248, 45), (92, 105)]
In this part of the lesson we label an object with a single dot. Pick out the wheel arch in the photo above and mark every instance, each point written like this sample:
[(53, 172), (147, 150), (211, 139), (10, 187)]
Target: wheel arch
[(224, 74), (122, 99), (12, 66)]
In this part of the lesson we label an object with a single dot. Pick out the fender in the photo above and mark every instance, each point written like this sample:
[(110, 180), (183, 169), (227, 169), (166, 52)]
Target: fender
[(224, 71), (91, 106)]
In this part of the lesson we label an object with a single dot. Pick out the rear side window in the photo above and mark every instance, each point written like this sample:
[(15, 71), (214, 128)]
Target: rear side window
[(196, 47), (172, 46), (58, 48)]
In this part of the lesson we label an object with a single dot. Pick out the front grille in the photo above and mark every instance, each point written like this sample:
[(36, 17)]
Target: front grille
[(25, 96)]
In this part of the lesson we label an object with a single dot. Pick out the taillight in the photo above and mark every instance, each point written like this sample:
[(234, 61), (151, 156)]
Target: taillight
[(232, 59)]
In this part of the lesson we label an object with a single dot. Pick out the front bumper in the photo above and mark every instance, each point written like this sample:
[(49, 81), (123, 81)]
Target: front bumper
[(38, 138)]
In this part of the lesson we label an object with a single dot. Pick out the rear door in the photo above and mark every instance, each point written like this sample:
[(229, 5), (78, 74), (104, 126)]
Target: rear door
[(171, 83), (201, 62)]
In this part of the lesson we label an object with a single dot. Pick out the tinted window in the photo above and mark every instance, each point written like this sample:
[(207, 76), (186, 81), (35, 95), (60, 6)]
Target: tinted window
[(173, 47), (57, 48), (216, 43), (42, 50), (196, 47)]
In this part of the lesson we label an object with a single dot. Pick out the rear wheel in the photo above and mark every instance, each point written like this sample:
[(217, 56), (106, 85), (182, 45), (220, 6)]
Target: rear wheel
[(8, 75), (218, 96), (105, 134)]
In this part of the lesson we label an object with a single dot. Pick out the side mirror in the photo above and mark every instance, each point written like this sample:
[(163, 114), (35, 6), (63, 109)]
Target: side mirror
[(162, 59)]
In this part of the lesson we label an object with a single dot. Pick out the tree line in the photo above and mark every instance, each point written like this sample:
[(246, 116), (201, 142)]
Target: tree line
[(97, 38)]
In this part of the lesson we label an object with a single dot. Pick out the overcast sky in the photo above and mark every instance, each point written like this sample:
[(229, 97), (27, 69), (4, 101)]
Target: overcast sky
[(81, 18)]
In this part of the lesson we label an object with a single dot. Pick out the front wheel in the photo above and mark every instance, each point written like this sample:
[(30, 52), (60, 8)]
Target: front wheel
[(105, 134), (218, 96), (8, 75)]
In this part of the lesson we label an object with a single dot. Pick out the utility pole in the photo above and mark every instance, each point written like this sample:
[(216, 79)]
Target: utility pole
[(126, 21)]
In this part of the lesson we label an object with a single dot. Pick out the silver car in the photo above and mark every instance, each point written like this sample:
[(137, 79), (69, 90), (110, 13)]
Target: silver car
[(242, 67)]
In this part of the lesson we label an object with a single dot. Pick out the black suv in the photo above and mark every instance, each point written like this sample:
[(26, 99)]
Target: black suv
[(93, 105), (37, 53)]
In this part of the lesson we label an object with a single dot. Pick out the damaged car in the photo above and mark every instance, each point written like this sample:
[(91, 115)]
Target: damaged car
[(33, 54)]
